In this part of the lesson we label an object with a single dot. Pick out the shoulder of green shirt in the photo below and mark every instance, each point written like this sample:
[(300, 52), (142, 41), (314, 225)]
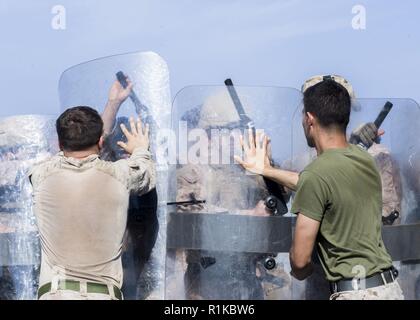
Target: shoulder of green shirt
[(312, 189)]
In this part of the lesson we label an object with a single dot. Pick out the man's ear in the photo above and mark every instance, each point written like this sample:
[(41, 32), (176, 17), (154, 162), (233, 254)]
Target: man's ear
[(310, 119), (101, 142)]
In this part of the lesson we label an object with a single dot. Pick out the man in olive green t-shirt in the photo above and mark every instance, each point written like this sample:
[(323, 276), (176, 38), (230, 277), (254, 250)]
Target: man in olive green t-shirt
[(341, 190), (338, 201)]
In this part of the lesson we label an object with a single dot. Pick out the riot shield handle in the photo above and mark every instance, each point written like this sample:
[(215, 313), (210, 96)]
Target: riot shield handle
[(274, 205), (389, 220), (187, 202), (270, 262)]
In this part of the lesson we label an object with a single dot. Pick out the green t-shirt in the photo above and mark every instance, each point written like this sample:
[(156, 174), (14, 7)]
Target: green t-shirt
[(342, 190)]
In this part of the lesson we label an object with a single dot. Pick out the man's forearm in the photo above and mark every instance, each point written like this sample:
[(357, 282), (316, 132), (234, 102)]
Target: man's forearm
[(109, 114), (300, 269), (302, 273), (142, 171), (289, 179)]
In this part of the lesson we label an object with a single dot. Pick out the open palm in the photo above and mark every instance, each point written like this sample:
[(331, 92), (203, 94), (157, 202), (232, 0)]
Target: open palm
[(256, 156)]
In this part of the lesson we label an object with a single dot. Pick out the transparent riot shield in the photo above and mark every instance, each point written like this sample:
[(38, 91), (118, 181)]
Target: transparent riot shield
[(396, 154), (24, 141), (228, 233), (88, 84)]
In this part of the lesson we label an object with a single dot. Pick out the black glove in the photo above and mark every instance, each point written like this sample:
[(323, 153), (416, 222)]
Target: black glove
[(366, 134)]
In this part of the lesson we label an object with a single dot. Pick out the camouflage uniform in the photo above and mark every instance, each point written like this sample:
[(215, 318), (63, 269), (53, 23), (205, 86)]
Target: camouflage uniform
[(391, 180), (220, 275), (391, 291)]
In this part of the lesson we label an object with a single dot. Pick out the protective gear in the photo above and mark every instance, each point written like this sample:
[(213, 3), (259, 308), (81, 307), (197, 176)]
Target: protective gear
[(34, 132), (88, 84), (412, 171), (211, 243), (339, 79), (25, 141), (207, 280), (366, 134), (218, 111)]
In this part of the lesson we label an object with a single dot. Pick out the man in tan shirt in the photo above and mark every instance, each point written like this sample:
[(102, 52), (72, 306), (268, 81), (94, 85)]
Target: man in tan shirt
[(80, 203)]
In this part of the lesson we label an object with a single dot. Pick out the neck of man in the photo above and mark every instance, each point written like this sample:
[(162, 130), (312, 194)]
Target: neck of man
[(330, 139), (82, 153)]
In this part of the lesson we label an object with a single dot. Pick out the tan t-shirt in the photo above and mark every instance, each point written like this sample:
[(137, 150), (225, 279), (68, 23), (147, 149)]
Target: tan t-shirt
[(81, 212)]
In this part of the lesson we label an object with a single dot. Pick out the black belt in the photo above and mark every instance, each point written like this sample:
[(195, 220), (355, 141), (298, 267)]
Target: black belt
[(376, 280)]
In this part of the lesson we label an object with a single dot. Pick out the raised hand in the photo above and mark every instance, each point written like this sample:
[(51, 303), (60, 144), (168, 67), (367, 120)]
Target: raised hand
[(117, 93), (256, 156), (136, 137)]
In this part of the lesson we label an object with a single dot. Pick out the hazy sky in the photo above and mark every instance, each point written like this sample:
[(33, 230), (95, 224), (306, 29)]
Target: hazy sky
[(255, 42)]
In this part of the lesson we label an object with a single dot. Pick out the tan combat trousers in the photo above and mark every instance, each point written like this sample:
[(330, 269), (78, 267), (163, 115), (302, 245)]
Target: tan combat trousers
[(390, 291)]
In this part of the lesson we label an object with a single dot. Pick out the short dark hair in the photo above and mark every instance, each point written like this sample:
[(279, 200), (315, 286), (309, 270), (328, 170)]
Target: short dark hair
[(79, 128), (330, 103)]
